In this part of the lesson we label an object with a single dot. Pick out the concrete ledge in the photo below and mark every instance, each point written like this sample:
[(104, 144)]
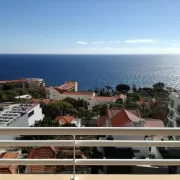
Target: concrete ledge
[(89, 177)]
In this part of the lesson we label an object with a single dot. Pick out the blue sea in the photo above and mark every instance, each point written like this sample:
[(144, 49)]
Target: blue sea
[(94, 70)]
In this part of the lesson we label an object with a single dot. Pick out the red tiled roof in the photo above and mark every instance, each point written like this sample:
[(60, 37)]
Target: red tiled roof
[(154, 123), (120, 118), (41, 153), (67, 85), (45, 101), (8, 169), (104, 98), (113, 112), (1, 155), (65, 119), (80, 93), (101, 121), (11, 155), (13, 81)]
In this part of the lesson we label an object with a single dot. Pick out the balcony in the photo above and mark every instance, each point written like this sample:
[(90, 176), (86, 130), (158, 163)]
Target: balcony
[(86, 143)]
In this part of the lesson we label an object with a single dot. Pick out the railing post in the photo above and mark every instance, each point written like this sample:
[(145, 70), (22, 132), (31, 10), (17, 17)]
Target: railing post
[(74, 159)]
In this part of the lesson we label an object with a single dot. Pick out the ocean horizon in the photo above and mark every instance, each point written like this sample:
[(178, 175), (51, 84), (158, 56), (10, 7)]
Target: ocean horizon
[(93, 70)]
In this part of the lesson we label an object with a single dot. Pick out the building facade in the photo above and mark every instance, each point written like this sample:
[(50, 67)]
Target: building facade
[(36, 82), (19, 115), (131, 118), (174, 110)]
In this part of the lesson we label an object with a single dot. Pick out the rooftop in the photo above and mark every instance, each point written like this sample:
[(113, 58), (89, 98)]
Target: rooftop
[(8, 169), (67, 85), (123, 117), (105, 98), (13, 81), (40, 153), (154, 123), (65, 119), (81, 93)]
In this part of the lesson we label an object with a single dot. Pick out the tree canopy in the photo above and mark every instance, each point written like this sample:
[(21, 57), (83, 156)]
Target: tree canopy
[(59, 108), (77, 104), (123, 87), (159, 85)]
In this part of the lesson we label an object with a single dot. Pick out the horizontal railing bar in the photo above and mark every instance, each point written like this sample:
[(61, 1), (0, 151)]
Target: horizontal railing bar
[(127, 143), (89, 162), (88, 131), (87, 143), (130, 162), (36, 161), (35, 143)]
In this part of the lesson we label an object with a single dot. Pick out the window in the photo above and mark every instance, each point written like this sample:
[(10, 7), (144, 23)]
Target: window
[(31, 113)]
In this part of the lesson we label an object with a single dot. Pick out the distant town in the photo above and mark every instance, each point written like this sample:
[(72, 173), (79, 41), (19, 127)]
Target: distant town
[(28, 102)]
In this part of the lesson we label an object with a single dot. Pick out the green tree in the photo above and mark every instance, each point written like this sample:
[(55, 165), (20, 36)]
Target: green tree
[(77, 104), (86, 116), (159, 85), (59, 108), (71, 101), (133, 97), (21, 91), (102, 110), (10, 95), (37, 92), (2, 97), (96, 90), (123, 87)]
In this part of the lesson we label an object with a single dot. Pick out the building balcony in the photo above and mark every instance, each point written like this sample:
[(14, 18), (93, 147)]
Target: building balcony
[(74, 162)]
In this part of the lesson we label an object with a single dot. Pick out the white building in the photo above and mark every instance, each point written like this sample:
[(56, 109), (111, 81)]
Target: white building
[(36, 82), (174, 110), (55, 93), (19, 115), (27, 96), (131, 118)]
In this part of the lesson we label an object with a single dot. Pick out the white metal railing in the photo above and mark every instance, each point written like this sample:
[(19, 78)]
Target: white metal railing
[(89, 131)]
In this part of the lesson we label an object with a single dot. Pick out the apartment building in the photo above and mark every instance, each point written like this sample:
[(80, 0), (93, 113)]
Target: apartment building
[(174, 110), (19, 115)]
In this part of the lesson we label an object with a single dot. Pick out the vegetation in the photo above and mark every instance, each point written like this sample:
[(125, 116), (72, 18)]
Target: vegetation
[(123, 87), (59, 108), (86, 116), (77, 104), (9, 95), (100, 109)]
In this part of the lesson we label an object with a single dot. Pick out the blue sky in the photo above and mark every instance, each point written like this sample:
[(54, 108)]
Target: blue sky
[(90, 26)]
